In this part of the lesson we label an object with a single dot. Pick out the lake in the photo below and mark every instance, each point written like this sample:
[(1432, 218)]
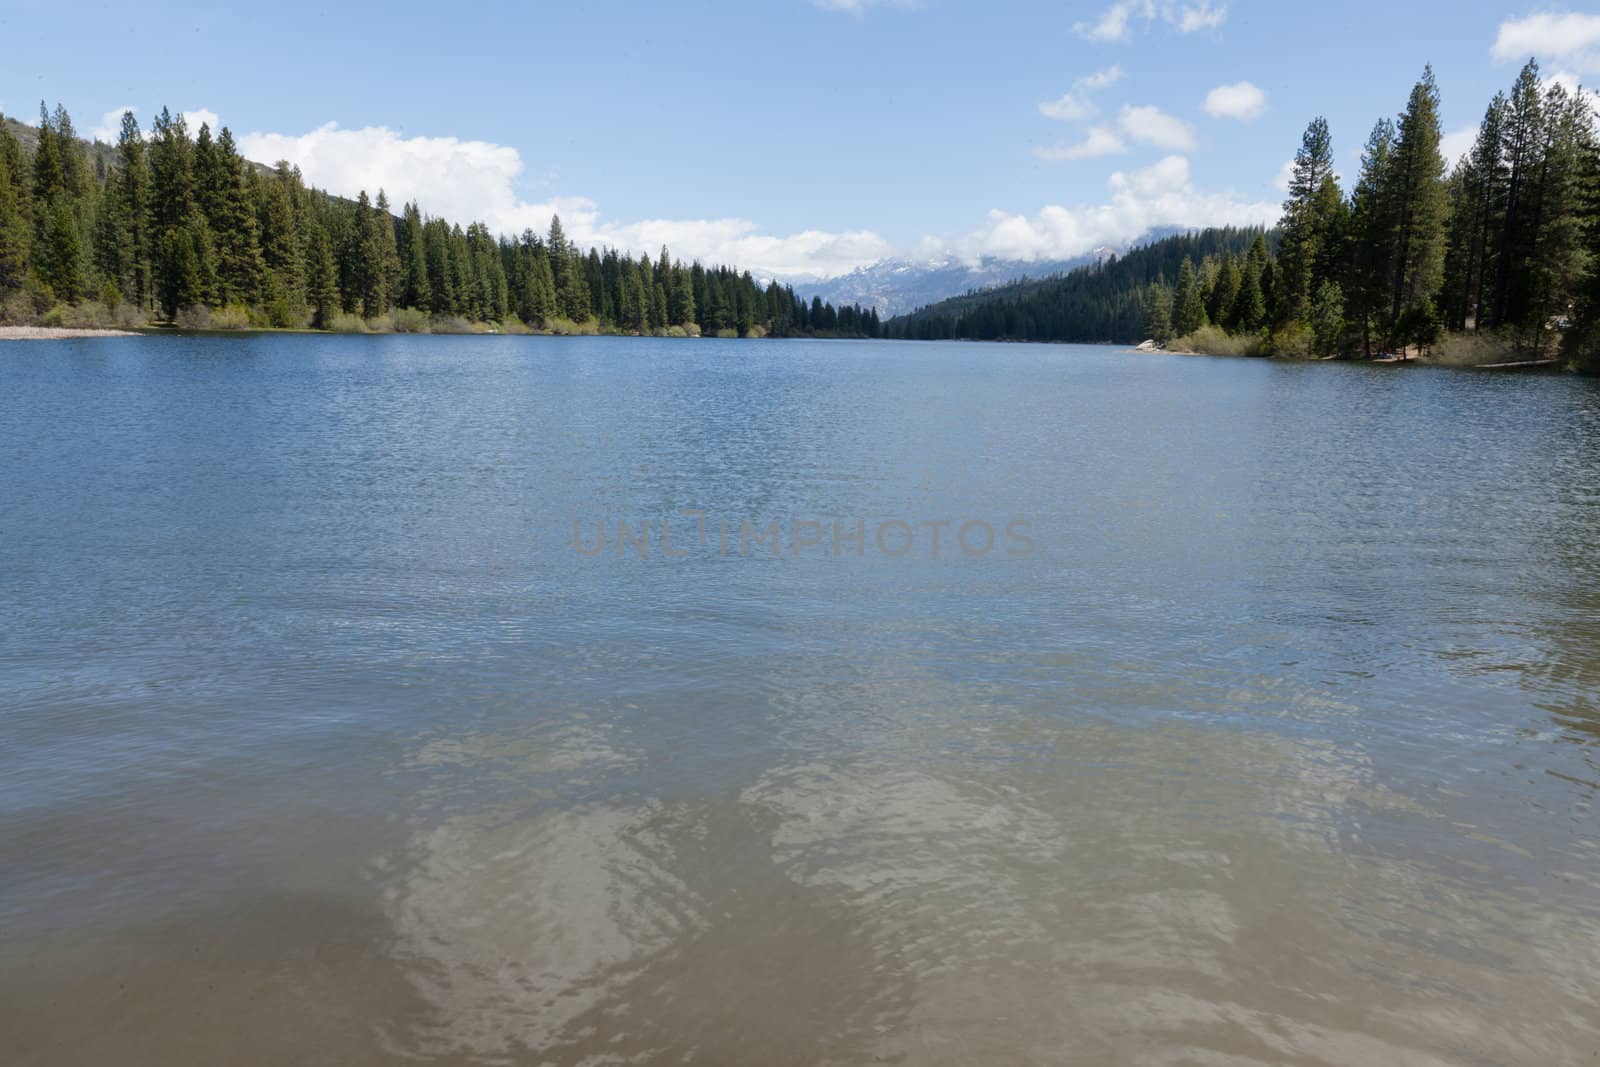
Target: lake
[(526, 700)]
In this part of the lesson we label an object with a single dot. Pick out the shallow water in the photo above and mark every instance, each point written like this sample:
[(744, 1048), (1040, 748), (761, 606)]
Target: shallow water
[(323, 742)]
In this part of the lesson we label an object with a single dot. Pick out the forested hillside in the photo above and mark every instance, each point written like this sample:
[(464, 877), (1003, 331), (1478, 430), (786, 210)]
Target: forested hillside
[(181, 228), (1496, 258), (1102, 302)]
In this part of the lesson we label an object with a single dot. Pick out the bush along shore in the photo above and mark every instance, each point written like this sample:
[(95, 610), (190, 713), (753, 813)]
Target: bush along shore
[(177, 228), (1492, 261)]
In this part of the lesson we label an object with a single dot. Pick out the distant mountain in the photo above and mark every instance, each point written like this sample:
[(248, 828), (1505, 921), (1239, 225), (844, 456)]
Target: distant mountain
[(898, 286)]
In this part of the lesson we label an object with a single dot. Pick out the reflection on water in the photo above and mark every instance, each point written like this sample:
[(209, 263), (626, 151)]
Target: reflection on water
[(322, 747)]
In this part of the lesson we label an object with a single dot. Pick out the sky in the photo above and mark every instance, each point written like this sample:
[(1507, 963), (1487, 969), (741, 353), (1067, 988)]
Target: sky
[(798, 138)]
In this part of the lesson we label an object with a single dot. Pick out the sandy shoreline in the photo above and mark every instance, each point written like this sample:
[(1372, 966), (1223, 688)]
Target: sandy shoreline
[(55, 333)]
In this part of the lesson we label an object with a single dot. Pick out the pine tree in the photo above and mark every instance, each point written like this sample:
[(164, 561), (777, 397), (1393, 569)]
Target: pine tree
[(177, 272), (1520, 143), (173, 212), (1249, 312), (413, 255), (1326, 318), (1479, 192), (1419, 196), (1157, 313), (1189, 312), (322, 288), (48, 178), (131, 196), (388, 252), (1558, 255), (1305, 229), (1581, 342), (60, 253), (15, 223), (1372, 233), (681, 308), (1224, 291), (282, 247)]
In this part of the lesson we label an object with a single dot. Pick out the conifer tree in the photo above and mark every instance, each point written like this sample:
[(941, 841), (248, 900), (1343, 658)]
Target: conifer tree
[(60, 252), (1520, 142), (1189, 312), (1224, 291), (15, 224), (322, 289), (1372, 236), (1418, 194), (130, 197), (413, 254), (1304, 230), (1158, 313)]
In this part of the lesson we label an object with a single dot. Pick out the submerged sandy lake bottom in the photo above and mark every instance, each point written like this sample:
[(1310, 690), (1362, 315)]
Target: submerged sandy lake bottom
[(322, 742)]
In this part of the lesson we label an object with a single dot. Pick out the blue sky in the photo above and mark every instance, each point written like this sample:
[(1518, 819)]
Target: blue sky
[(793, 136)]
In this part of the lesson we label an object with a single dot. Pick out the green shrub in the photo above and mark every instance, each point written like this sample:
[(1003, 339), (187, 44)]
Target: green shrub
[(1214, 341), (1293, 340), (566, 327), (56, 316), (344, 322), (194, 317), (232, 317), (88, 315), (127, 317), (409, 320), (40, 295), (1472, 350), (280, 316)]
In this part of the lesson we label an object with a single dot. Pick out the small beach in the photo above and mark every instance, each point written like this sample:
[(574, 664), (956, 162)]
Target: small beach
[(55, 333)]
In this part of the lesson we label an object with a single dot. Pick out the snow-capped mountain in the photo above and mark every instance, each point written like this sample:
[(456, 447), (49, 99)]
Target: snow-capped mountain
[(896, 286)]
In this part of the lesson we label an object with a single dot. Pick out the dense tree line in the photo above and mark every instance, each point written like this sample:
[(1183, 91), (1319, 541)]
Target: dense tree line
[(1504, 247), (1104, 302), (184, 228)]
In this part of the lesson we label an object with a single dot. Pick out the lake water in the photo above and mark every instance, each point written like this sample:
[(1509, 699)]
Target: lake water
[(1270, 734)]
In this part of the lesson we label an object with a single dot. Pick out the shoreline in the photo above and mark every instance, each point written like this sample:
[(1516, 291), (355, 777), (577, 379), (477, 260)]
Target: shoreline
[(58, 333), (1551, 366)]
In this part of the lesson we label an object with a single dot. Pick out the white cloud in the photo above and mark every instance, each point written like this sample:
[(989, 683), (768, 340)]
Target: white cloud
[(1075, 104), (1572, 39), (1202, 16), (467, 180), (475, 180), (1116, 22), (1101, 141), (201, 117), (1569, 81), (859, 7), (1102, 79), (1151, 125), (110, 127), (1241, 100), (1071, 106), (1456, 144), (1158, 196), (1285, 176)]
